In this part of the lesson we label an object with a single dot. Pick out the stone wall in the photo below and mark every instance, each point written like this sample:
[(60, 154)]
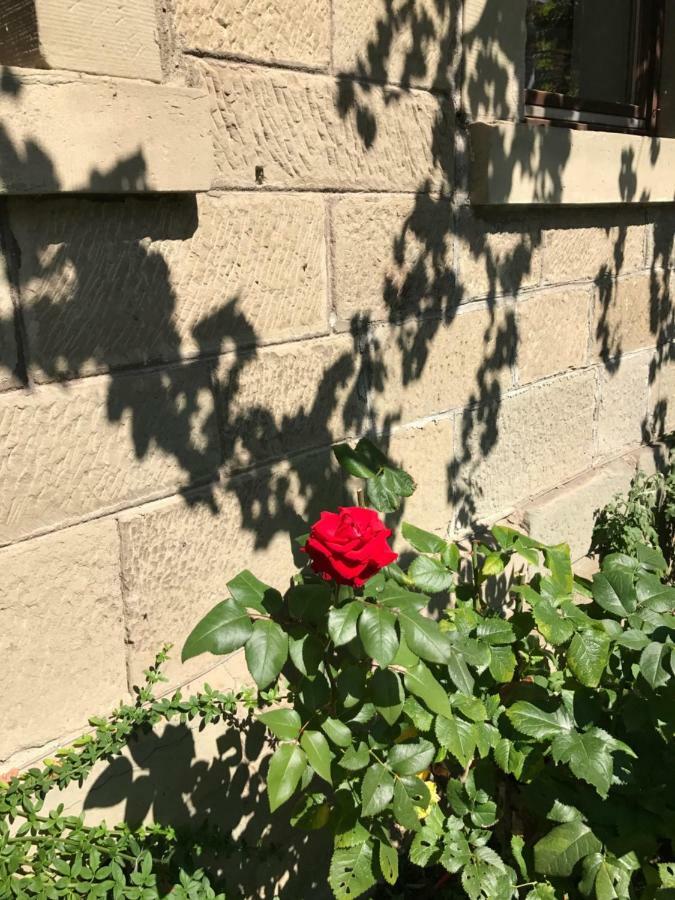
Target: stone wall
[(175, 368)]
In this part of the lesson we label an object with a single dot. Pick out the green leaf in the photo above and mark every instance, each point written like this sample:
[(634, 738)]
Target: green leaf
[(250, 592), (558, 852), (223, 630), (460, 674), (493, 565), (633, 639), (337, 732), (471, 707), (551, 625), (423, 541), (319, 754), (496, 631), (388, 863), (430, 575), (451, 557), (420, 682), (351, 871), (310, 602), (651, 665), (458, 737), (353, 462), (386, 490), (404, 808), (411, 759), (423, 847), (286, 768), (356, 758), (541, 892), (342, 623), (588, 655), (283, 723), (387, 694), (502, 664), (456, 852), (378, 634), (536, 723), (588, 757), (505, 537), (377, 790), (614, 591), (394, 596), (559, 562), (311, 812), (425, 638), (509, 759), (266, 652), (517, 847), (306, 650)]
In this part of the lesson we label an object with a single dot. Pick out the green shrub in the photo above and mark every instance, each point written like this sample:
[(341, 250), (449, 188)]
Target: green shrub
[(525, 751)]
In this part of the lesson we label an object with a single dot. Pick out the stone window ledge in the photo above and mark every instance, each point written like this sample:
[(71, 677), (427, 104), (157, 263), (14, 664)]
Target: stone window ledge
[(539, 165), (63, 132)]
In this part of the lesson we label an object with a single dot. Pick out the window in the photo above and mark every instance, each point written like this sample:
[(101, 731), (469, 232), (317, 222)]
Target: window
[(594, 63)]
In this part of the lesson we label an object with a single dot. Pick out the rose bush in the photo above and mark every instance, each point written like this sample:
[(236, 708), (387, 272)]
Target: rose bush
[(349, 546), (518, 746)]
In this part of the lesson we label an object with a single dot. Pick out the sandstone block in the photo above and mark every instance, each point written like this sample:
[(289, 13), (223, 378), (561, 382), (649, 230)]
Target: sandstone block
[(276, 31), (281, 400), (583, 247), (662, 392), (8, 348), (630, 314), (622, 416), (104, 37), (661, 238), (530, 442), (290, 129), (553, 331), (62, 634), (107, 284), (178, 556), (101, 444), (66, 132), (392, 256), (497, 254), (425, 368), (568, 513), (399, 42)]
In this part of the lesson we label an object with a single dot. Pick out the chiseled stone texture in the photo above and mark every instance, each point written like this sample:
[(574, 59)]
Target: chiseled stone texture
[(496, 254), (425, 368), (8, 354), (65, 132), (62, 634), (102, 444), (662, 391), (533, 441), (177, 558), (629, 314), (622, 416), (280, 400), (392, 256), (553, 332), (270, 30), (106, 284), (580, 246), (104, 37), (307, 131), (410, 43), (567, 514), (423, 451)]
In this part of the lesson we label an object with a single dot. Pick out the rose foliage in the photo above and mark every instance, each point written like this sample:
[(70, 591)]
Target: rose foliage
[(518, 745)]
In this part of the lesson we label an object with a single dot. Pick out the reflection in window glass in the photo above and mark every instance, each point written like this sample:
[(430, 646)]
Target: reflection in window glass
[(582, 48)]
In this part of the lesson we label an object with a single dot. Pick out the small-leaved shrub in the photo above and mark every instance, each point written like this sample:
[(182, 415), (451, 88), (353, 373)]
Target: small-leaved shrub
[(520, 751)]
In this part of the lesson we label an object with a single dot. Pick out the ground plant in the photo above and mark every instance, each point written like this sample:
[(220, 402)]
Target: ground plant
[(519, 744)]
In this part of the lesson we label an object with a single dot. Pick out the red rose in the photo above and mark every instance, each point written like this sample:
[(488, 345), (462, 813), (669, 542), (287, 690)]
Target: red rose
[(349, 546)]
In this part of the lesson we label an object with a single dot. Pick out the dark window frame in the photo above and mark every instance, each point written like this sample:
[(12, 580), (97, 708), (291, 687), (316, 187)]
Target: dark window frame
[(597, 115)]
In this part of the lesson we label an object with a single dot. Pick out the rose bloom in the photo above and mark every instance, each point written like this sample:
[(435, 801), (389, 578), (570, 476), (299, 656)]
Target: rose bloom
[(349, 546)]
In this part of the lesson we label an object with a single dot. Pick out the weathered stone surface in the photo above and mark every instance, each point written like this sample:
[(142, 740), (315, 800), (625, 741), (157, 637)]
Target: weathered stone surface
[(662, 392), (281, 400), (392, 256), (424, 452), (661, 236), (584, 246), (629, 315), (104, 37), (622, 416), (567, 514), (101, 444), (65, 132), (8, 348), (499, 254), (298, 32), (536, 439), (177, 557), (553, 331), (399, 43), (425, 368), (62, 634), (107, 284), (290, 129)]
